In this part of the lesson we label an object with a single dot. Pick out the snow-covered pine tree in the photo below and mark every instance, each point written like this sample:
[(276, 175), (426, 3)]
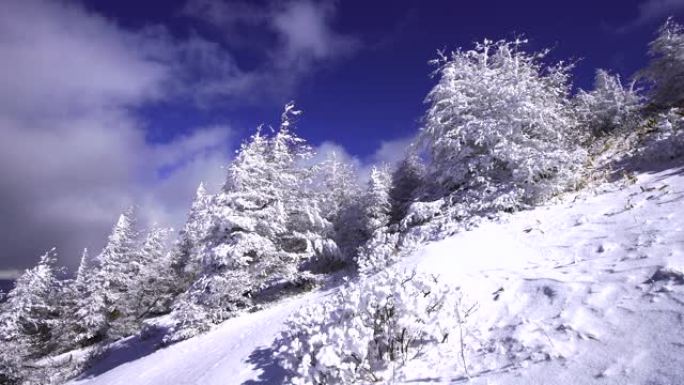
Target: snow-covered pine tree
[(308, 232), (377, 244), (93, 312), (338, 185), (609, 106), (248, 218), (29, 319), (187, 257), (377, 201), (407, 180), (264, 224), (83, 269), (153, 289), (338, 193), (73, 295), (666, 68), (119, 265), (499, 129)]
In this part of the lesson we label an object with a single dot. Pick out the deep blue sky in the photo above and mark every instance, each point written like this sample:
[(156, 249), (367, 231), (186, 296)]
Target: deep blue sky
[(376, 92)]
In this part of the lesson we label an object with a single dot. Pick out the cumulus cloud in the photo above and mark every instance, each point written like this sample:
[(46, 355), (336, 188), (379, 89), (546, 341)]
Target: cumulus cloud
[(392, 151), (292, 38), (72, 152), (388, 153), (656, 10), (305, 28), (651, 11)]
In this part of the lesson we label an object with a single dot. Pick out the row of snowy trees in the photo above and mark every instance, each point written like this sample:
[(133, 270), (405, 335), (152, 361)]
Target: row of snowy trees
[(277, 220), (502, 132), (106, 300)]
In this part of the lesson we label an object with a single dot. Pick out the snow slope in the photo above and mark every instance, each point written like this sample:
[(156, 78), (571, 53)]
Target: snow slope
[(590, 291), (587, 291)]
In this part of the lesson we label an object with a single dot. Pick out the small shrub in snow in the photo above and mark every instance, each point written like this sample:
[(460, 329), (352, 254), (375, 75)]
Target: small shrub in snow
[(380, 251), (367, 329), (210, 300), (666, 140), (609, 107)]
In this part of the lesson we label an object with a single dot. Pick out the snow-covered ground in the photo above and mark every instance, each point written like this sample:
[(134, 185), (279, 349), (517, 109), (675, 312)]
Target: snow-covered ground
[(586, 291)]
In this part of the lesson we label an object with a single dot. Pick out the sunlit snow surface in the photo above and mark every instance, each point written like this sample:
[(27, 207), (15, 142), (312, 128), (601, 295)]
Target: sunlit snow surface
[(587, 291)]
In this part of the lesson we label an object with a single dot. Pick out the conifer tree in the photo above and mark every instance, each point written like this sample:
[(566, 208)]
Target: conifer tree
[(338, 185), (29, 319), (264, 224), (153, 289), (187, 253), (338, 193), (377, 204), (407, 179), (106, 312), (377, 245), (73, 296)]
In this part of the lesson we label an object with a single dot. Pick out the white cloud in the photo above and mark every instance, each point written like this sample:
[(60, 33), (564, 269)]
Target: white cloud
[(72, 154), (388, 153), (305, 28), (293, 38), (656, 10), (327, 148), (57, 57), (650, 11), (392, 151), (9, 274)]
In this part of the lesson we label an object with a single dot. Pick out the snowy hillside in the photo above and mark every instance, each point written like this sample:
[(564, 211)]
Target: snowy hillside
[(590, 290), (530, 233)]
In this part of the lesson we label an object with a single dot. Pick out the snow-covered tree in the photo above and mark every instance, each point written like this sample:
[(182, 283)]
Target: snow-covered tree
[(339, 185), (407, 180), (265, 223), (89, 320), (118, 261), (609, 106), (499, 125), (29, 319), (308, 232), (73, 296), (153, 289), (83, 268), (250, 216), (187, 257), (377, 247), (666, 68), (377, 202), (338, 194), (118, 266)]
